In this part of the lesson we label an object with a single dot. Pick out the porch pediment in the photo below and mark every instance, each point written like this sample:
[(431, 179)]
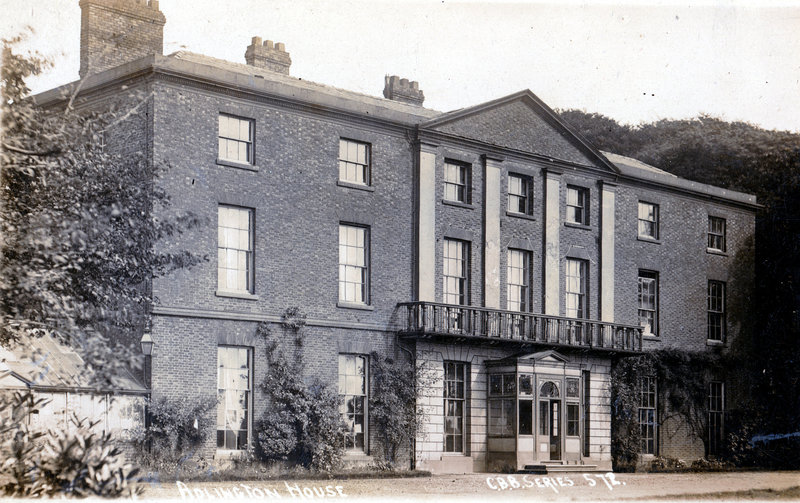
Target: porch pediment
[(550, 356)]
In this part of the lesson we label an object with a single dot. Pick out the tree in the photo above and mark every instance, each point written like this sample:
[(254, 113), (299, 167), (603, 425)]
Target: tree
[(79, 223)]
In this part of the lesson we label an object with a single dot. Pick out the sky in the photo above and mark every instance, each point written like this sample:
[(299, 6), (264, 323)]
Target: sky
[(637, 61)]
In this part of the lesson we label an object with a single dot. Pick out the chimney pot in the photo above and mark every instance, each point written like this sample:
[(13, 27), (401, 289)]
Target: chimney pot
[(268, 55), (402, 90)]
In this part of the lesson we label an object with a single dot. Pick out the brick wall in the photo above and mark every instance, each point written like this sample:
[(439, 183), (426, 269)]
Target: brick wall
[(298, 207), (681, 260)]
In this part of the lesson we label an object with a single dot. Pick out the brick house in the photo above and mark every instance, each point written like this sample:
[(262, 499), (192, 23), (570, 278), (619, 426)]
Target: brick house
[(493, 243)]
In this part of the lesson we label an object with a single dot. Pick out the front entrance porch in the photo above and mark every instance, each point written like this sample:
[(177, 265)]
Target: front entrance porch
[(539, 411), (520, 410)]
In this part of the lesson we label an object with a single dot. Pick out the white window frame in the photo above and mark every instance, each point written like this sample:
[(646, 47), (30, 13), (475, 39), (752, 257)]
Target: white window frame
[(577, 205), (520, 194), (354, 264), (455, 272), (457, 182), (648, 287), (222, 405), (576, 298), (717, 234), (649, 220), (716, 417), (230, 250), (355, 162), (717, 298), (518, 280), (455, 373), (346, 392), (648, 414), (229, 136)]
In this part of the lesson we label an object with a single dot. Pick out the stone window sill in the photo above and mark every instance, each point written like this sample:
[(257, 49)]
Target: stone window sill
[(520, 215), (578, 226), (230, 453), (355, 305), (357, 186), (714, 251), (236, 295), (648, 240), (711, 342), (458, 204), (239, 165)]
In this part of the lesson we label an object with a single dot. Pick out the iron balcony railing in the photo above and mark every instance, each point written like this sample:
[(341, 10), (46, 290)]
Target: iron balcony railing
[(431, 318)]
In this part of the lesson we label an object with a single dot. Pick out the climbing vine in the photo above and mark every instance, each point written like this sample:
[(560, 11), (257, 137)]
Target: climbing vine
[(302, 423), (682, 378), (394, 413)]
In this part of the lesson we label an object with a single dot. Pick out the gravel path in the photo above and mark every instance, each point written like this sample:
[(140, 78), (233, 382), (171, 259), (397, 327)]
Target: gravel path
[(479, 487)]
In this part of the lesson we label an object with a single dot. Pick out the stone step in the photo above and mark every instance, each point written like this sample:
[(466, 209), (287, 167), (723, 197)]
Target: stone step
[(356, 460), (549, 467)]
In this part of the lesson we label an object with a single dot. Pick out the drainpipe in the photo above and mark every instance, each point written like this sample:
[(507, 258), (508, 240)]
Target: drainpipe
[(412, 356)]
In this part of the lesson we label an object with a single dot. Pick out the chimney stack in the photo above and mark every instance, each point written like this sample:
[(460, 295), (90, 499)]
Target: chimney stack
[(398, 89), (115, 32), (268, 55)]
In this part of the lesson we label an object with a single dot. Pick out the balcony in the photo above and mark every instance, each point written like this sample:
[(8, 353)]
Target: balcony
[(430, 319)]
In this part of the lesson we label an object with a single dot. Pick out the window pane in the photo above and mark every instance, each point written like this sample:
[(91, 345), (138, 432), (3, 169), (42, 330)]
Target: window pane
[(525, 417), (353, 266), (235, 238), (233, 381)]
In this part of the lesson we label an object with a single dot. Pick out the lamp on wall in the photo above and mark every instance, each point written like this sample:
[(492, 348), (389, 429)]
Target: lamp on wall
[(147, 344), (147, 350)]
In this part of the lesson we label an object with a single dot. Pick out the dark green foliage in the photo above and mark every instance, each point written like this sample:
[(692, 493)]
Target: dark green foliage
[(302, 423), (393, 404), (78, 223), (177, 428), (742, 157), (683, 378), (77, 462)]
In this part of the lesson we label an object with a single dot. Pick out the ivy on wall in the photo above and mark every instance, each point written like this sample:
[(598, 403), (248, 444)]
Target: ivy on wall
[(682, 382)]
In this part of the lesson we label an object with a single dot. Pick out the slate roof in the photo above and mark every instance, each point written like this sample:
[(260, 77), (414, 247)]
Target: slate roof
[(294, 86), (46, 364)]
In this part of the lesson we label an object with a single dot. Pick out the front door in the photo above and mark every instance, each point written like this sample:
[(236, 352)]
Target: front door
[(555, 430)]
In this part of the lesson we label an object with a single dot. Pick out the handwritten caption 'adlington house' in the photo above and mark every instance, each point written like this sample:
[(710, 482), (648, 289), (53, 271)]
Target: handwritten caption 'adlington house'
[(511, 482), (293, 490)]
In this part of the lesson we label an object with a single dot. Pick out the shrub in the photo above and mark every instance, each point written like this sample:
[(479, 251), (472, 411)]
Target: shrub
[(302, 423), (176, 429), (666, 464), (74, 462), (393, 403)]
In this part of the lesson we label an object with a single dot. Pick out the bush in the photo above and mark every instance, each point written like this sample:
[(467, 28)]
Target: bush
[(76, 462), (665, 464), (393, 403), (177, 428), (302, 423)]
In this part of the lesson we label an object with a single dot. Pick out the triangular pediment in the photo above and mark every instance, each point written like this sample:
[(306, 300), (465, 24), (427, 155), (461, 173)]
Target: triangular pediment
[(520, 122), (549, 355)]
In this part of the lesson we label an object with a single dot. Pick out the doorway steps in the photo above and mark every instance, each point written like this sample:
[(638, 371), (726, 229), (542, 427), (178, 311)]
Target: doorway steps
[(356, 460), (546, 467)]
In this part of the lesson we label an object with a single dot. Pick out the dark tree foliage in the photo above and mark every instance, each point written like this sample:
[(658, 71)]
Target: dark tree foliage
[(742, 157), (78, 224)]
